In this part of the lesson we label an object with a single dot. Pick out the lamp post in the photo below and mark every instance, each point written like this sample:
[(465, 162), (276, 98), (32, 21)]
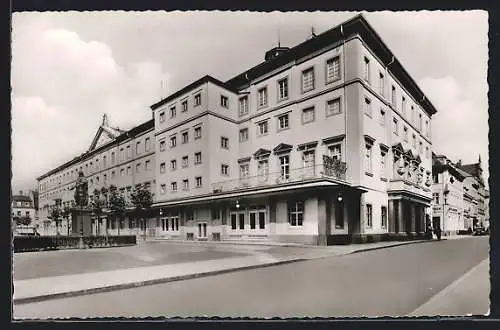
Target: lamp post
[(237, 205)]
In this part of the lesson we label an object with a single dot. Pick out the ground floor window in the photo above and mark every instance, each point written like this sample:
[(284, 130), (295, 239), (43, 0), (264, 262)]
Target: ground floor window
[(384, 216), (369, 221), (202, 229), (233, 221), (170, 224), (296, 213)]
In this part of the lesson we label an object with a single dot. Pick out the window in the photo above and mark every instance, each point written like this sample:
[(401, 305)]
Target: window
[(122, 156), (383, 212), (224, 169), (129, 152), (162, 145), (224, 101), (122, 172), (197, 99), (163, 187), (427, 152), (185, 184), (395, 126), (368, 157), (382, 117), (162, 116), (333, 69), (369, 220), (162, 167), (105, 178), (368, 106), (403, 106), (405, 134), (173, 141), (285, 167), (308, 115), (307, 80), (420, 122), (112, 158), (97, 180), (198, 181), (381, 83), (282, 89), (104, 162), (435, 196), (333, 107), (296, 214), (309, 159), (129, 170), (137, 167), (414, 140), (185, 161), (173, 186), (138, 147), (197, 157), (263, 167), (263, 128), (224, 142), (147, 165), (420, 148), (173, 112), (243, 105), (383, 163), (113, 174), (197, 133), (185, 137), (335, 151), (244, 170), (173, 164), (262, 97), (393, 96), (243, 134), (283, 122), (367, 70), (147, 145), (412, 115), (184, 105)]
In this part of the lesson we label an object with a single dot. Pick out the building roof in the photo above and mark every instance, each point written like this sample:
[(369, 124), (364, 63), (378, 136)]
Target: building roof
[(191, 86), (357, 25), (21, 198), (120, 138)]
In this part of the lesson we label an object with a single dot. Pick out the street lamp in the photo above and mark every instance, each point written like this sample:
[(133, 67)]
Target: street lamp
[(339, 198), (161, 212), (237, 205)]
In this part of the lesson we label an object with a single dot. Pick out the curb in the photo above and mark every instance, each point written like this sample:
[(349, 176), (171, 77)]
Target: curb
[(27, 300), (390, 246)]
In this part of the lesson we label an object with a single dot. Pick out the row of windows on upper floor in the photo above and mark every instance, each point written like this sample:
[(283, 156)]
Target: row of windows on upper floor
[(185, 185), (97, 180), (402, 105), (308, 83), (94, 165)]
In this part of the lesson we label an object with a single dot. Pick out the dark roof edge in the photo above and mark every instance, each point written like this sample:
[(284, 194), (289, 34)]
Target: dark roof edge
[(384, 53), (124, 136), (193, 85)]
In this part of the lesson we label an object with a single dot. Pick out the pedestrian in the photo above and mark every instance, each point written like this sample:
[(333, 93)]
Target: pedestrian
[(437, 231)]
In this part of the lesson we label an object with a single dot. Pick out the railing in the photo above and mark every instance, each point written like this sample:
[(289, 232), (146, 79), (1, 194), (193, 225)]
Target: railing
[(36, 243), (336, 171)]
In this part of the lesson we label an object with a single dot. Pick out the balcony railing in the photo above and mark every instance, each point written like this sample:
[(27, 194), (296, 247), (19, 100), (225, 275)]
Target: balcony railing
[(336, 170)]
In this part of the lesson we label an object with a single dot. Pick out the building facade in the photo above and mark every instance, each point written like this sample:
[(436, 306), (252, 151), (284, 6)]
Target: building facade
[(476, 194), (448, 196), (116, 157), (325, 142)]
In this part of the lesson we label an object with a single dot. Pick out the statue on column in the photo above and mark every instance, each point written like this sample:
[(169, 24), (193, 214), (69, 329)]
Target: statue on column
[(81, 190)]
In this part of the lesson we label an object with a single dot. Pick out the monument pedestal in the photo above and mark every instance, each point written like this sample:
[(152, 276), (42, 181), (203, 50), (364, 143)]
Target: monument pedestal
[(81, 224)]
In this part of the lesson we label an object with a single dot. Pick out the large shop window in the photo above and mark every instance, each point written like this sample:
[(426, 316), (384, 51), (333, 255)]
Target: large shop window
[(296, 213)]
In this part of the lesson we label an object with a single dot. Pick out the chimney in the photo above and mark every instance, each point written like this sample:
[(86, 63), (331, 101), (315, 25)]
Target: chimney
[(459, 163)]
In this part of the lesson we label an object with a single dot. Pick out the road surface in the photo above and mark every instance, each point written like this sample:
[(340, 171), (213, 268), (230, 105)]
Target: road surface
[(394, 282)]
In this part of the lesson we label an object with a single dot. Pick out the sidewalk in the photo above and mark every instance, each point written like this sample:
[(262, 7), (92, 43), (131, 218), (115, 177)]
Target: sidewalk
[(468, 295), (44, 288)]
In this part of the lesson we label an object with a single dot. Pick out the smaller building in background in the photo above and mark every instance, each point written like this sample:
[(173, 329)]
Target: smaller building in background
[(23, 212), (447, 193)]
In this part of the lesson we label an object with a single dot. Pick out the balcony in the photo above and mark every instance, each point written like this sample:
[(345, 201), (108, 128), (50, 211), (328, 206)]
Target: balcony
[(333, 171)]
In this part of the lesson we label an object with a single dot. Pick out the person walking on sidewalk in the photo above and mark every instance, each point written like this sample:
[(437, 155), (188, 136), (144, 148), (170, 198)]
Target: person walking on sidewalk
[(437, 231)]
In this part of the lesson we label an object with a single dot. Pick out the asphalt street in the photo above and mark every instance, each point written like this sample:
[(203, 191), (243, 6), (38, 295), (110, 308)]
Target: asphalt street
[(394, 282)]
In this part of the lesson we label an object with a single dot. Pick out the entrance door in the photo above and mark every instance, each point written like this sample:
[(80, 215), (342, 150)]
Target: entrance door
[(257, 220), (202, 230), (436, 222)]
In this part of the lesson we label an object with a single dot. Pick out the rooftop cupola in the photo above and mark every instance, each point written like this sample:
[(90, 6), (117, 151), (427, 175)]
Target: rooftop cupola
[(274, 52)]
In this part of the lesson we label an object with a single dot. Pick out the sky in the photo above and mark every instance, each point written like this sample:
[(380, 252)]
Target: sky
[(69, 68)]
